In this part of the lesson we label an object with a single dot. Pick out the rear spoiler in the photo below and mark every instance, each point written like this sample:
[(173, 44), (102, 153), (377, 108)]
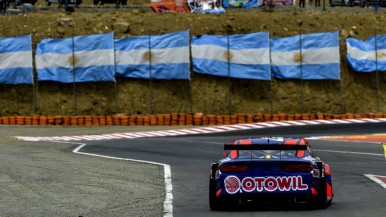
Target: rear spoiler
[(264, 147)]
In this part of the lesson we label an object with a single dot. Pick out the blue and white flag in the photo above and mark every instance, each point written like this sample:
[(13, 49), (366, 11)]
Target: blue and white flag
[(158, 57), (90, 57), (54, 60), (16, 60), (367, 56), (239, 56), (310, 56)]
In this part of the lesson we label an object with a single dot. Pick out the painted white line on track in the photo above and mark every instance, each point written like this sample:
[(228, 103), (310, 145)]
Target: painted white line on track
[(175, 132), (213, 129), (167, 133), (168, 202), (257, 126), (281, 123), (140, 134), (357, 120), (312, 122), (349, 121), (349, 152), (268, 124), (188, 131), (341, 121), (162, 133), (248, 126), (135, 135), (154, 134), (65, 138), (371, 120), (199, 130), (296, 123), (373, 177), (226, 128), (238, 127), (122, 136)]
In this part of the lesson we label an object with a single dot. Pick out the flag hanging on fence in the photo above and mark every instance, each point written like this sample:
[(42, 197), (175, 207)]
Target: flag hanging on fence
[(367, 56), (90, 57), (158, 57), (310, 56), (248, 55), (54, 60), (16, 60), (94, 57)]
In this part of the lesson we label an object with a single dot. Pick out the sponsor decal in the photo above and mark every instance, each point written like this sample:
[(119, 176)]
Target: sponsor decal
[(232, 184), (249, 184)]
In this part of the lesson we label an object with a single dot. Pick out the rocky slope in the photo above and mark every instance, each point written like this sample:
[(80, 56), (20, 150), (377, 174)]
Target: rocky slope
[(356, 92)]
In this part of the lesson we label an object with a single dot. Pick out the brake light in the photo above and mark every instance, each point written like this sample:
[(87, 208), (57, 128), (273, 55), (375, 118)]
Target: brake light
[(298, 168), (240, 168), (290, 168), (305, 168), (317, 173), (226, 168), (232, 168)]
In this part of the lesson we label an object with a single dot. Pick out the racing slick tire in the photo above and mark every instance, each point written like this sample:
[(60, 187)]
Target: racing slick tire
[(213, 200), (219, 203), (321, 200)]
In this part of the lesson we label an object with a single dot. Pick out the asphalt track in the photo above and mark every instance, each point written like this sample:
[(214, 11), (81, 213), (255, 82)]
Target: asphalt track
[(190, 158)]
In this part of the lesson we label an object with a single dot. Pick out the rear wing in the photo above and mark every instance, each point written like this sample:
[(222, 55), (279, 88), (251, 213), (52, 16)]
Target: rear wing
[(264, 147)]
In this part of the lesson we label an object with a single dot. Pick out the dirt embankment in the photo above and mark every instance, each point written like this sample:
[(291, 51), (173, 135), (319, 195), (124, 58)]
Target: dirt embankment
[(356, 92)]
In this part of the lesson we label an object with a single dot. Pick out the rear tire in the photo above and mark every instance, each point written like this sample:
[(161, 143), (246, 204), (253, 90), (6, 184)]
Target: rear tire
[(213, 199), (321, 199)]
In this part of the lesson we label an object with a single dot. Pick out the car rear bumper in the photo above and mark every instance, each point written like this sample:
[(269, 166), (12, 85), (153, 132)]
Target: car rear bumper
[(267, 197)]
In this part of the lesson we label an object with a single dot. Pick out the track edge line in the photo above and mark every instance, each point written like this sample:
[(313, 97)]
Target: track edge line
[(168, 202)]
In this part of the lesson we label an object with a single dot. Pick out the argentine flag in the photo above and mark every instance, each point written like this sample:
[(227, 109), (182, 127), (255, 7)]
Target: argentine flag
[(310, 56), (90, 58), (367, 56), (157, 56), (16, 60), (247, 55)]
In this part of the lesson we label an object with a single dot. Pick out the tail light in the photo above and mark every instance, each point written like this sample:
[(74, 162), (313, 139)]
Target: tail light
[(305, 168), (318, 170), (298, 168), (213, 169), (233, 168)]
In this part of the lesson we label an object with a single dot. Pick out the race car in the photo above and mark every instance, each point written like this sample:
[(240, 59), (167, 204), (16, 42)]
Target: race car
[(269, 169)]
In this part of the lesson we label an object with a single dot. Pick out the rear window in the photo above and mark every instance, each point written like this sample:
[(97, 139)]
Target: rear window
[(267, 154)]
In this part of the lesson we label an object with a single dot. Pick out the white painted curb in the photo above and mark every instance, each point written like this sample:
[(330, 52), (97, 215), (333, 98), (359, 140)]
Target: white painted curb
[(199, 130)]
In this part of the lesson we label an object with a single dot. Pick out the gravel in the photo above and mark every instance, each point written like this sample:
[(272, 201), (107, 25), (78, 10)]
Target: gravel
[(47, 179)]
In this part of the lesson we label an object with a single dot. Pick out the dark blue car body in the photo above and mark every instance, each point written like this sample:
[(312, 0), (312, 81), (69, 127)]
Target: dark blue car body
[(269, 169)]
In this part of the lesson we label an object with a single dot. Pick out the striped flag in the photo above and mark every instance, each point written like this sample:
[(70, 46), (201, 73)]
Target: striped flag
[(90, 57), (16, 60), (247, 55), (158, 56), (54, 60), (310, 56), (367, 56)]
